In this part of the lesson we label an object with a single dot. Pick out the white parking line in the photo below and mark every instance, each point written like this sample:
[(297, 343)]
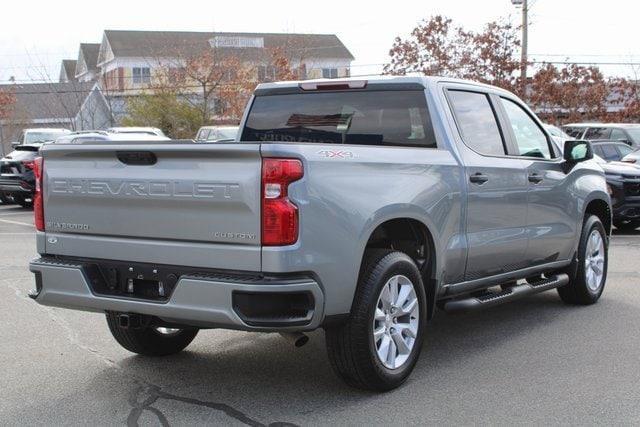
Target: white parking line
[(16, 222), (16, 213)]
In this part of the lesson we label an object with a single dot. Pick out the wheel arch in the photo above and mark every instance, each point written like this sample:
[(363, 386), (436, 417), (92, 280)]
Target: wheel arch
[(600, 207), (411, 235)]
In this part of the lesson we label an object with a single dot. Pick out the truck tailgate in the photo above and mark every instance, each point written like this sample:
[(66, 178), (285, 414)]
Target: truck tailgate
[(186, 195)]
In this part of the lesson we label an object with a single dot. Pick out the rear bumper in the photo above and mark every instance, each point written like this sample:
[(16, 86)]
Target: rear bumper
[(209, 301)]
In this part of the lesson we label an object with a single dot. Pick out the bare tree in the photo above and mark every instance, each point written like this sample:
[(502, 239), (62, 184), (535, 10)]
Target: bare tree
[(7, 103), (71, 102)]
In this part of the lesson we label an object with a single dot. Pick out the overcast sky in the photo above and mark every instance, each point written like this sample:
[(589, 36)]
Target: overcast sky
[(36, 35)]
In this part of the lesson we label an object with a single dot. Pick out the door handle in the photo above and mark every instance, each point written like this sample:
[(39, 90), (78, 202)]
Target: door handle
[(535, 178), (478, 178)]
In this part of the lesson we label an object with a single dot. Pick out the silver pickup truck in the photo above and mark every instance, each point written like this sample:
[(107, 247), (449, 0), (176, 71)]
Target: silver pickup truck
[(354, 206)]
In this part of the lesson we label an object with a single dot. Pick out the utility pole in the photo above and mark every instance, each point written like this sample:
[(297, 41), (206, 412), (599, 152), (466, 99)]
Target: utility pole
[(525, 41)]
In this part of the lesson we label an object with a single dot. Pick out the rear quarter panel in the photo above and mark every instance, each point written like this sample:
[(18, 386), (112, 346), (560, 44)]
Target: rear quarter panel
[(347, 191)]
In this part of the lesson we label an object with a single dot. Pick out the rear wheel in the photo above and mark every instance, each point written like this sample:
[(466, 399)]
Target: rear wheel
[(588, 283), (379, 345), (150, 340), (626, 225)]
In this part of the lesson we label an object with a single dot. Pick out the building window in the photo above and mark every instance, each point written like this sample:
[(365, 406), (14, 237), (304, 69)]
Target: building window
[(141, 75), (329, 73)]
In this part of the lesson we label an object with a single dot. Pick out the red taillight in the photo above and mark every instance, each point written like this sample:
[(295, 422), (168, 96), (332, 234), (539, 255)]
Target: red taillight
[(38, 203), (279, 215)]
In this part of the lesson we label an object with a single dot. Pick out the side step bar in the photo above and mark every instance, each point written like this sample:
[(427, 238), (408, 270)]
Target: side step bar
[(490, 299)]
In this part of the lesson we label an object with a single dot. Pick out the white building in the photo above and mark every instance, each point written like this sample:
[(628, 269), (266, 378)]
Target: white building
[(127, 63)]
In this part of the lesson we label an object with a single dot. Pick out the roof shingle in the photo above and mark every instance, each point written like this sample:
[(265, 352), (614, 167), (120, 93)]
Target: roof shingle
[(38, 101), (163, 44)]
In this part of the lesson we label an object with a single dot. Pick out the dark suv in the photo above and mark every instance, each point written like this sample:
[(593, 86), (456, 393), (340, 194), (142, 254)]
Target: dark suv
[(623, 184), (17, 180)]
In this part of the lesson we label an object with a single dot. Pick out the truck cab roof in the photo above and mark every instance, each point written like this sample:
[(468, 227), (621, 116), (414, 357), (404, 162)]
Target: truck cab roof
[(364, 81)]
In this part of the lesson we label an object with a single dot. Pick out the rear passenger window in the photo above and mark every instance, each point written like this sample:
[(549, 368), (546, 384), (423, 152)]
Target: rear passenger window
[(477, 122), (371, 117), (597, 133), (530, 139)]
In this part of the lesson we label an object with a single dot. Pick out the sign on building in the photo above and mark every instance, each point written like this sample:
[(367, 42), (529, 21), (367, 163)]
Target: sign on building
[(237, 41)]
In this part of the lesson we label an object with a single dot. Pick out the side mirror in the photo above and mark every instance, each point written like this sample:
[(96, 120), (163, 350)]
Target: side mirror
[(15, 143), (576, 151)]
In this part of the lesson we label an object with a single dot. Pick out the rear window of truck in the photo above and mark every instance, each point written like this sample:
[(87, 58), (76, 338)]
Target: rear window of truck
[(395, 118)]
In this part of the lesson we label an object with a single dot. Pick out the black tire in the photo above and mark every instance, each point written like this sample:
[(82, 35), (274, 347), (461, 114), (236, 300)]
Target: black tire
[(577, 291), (147, 340), (626, 225), (351, 347), (23, 201), (6, 200)]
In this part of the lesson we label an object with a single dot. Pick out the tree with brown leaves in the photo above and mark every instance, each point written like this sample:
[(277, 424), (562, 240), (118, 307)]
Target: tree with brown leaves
[(437, 47), (7, 101), (232, 98), (625, 95), (572, 93), (207, 74)]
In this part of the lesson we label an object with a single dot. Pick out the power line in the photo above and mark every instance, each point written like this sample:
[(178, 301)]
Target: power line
[(596, 55), (634, 64), (110, 92)]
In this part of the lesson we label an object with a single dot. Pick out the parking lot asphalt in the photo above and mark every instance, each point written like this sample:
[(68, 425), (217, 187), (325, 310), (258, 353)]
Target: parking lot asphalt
[(535, 361)]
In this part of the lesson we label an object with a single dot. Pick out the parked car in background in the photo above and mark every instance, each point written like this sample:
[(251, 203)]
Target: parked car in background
[(611, 151), (628, 133), (16, 168), (40, 135), (217, 134), (80, 137), (623, 182), (17, 179), (558, 136), (556, 132), (137, 130)]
